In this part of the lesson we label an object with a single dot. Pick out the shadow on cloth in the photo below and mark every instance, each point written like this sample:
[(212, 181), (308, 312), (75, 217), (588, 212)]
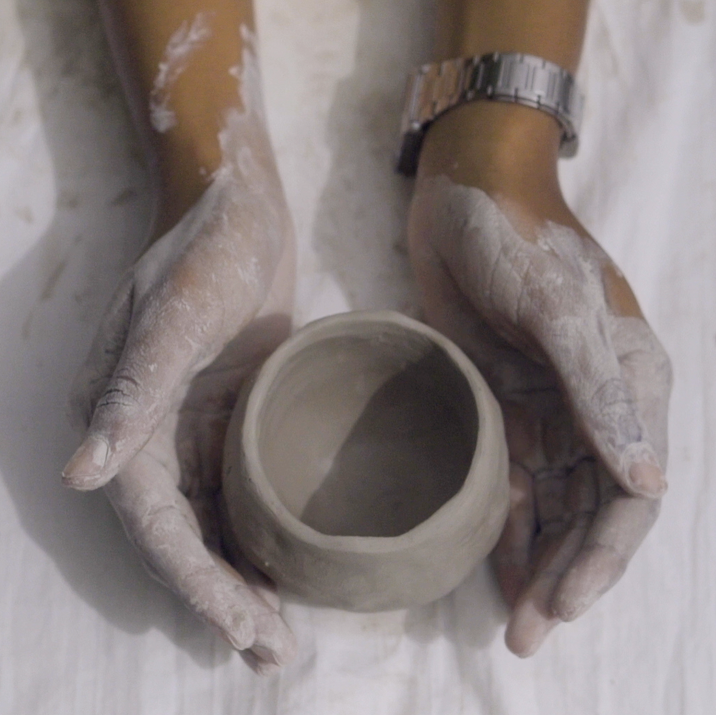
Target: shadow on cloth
[(50, 305), (359, 229)]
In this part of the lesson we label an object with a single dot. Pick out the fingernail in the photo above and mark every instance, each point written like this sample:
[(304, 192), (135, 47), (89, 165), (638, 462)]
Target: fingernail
[(86, 463), (528, 629), (647, 479), (241, 633), (265, 654)]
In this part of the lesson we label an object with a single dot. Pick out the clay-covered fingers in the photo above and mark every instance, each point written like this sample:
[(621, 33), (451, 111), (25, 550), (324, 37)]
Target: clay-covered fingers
[(532, 617), (565, 501), (580, 347), (511, 557), (162, 526), (274, 644), (616, 532), (169, 335)]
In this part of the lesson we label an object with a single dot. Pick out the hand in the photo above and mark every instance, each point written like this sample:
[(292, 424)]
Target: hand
[(202, 307), (510, 275)]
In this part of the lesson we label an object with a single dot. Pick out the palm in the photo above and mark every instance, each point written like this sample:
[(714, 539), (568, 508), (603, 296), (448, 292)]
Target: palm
[(169, 499), (187, 447)]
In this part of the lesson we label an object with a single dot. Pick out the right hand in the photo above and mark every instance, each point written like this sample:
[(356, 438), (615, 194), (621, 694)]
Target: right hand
[(509, 274)]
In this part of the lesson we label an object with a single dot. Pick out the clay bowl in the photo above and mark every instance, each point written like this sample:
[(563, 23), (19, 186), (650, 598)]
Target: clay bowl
[(366, 468)]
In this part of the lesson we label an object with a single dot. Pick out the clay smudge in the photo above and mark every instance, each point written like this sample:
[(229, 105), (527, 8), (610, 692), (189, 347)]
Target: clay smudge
[(241, 218), (693, 11), (229, 243), (242, 194), (552, 288), (181, 46)]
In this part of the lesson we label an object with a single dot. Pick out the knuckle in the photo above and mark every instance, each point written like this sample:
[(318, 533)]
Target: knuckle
[(123, 392), (664, 367), (158, 518), (199, 575), (611, 393)]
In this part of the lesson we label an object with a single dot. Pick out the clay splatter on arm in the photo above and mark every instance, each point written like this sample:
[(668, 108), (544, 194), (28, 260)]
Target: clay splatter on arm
[(182, 44), (208, 301)]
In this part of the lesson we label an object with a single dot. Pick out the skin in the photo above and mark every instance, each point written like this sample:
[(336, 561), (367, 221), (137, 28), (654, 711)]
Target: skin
[(509, 273), (209, 299), (490, 236)]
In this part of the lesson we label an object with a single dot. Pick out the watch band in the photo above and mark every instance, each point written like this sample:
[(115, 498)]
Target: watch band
[(502, 76)]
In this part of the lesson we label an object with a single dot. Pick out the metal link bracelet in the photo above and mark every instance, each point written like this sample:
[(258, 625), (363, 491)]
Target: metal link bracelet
[(499, 76)]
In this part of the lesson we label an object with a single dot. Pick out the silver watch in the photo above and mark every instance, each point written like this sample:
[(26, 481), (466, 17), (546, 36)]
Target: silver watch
[(502, 76)]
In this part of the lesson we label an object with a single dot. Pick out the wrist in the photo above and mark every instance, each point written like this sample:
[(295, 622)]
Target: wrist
[(552, 29), (506, 150), (484, 141), (186, 164), (183, 171)]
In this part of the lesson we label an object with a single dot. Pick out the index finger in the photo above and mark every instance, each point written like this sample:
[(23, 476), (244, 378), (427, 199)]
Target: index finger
[(623, 520), (170, 331), (618, 529)]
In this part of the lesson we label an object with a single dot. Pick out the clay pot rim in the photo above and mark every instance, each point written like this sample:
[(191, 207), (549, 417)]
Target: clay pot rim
[(423, 533)]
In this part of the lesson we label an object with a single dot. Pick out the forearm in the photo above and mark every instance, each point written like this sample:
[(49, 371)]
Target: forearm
[(508, 150), (492, 143), (178, 60)]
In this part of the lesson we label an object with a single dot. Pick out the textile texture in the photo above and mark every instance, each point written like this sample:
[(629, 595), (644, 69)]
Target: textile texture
[(83, 629)]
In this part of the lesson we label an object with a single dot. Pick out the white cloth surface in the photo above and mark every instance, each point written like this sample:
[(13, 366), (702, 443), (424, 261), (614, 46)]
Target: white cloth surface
[(83, 629)]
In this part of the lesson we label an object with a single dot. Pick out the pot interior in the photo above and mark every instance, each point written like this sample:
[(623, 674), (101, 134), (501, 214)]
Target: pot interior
[(367, 434)]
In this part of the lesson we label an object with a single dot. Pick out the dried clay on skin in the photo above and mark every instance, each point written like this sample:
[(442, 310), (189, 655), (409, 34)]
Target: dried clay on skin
[(181, 46), (195, 290), (237, 216), (553, 289), (535, 317)]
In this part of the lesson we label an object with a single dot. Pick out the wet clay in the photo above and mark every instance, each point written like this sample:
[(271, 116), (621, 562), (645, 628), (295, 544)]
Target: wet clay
[(378, 444), (367, 469)]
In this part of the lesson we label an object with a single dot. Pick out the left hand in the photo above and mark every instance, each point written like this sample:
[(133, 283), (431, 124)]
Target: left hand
[(510, 275), (197, 313)]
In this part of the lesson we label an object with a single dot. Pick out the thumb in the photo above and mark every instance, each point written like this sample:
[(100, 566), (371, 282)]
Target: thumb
[(163, 348), (580, 348)]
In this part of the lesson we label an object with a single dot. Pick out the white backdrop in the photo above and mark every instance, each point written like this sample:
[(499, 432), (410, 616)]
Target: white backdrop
[(83, 630)]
